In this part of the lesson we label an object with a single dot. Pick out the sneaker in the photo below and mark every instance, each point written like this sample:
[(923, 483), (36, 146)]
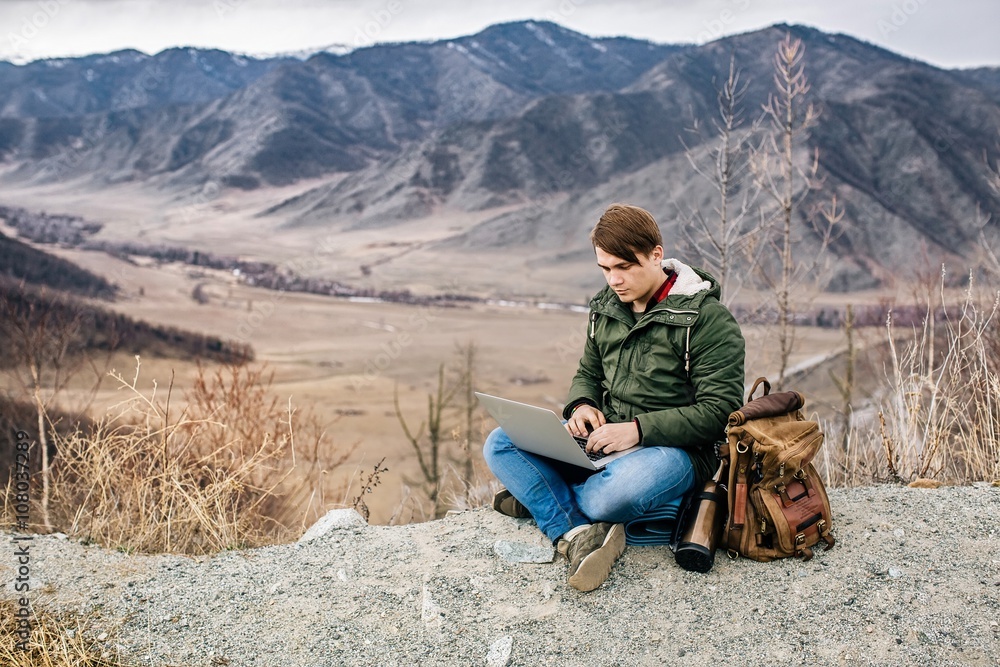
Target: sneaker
[(592, 552), (505, 503)]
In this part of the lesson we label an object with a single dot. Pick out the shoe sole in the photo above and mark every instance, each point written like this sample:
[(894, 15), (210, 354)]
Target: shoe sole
[(596, 567)]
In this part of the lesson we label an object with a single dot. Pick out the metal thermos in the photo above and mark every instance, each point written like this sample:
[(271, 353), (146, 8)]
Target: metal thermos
[(702, 525)]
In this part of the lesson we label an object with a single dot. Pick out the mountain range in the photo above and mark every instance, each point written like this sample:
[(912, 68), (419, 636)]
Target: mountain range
[(523, 133)]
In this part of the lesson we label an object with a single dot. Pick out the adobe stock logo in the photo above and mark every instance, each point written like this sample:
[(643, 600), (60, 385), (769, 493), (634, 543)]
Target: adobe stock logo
[(367, 34), (35, 23), (900, 15), (716, 27)]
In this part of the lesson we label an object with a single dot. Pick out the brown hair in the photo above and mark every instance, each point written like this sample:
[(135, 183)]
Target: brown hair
[(625, 230)]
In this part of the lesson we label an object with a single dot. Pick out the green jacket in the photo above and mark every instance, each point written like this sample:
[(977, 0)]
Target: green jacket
[(635, 368)]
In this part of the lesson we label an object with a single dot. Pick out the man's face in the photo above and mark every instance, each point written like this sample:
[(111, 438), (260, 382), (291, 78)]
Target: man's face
[(631, 280)]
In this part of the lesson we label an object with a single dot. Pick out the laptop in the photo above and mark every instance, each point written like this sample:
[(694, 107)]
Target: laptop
[(541, 431)]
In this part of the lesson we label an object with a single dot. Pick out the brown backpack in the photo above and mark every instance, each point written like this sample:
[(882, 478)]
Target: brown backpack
[(778, 505)]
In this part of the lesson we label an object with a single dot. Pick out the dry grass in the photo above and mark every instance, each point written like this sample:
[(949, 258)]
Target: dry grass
[(465, 494), (937, 416), (222, 472), (63, 640)]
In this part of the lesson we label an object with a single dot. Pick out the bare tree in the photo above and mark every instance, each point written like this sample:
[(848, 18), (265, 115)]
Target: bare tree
[(721, 240), (44, 334), (785, 181), (429, 449), (465, 386), (988, 260), (845, 385), (431, 442)]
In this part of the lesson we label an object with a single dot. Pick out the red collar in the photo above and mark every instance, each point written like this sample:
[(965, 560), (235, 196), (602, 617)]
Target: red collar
[(661, 293)]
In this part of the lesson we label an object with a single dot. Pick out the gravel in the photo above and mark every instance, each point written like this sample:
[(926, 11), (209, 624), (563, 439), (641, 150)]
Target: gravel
[(914, 579)]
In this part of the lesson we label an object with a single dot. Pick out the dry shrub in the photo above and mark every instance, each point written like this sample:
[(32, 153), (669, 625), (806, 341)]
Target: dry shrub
[(65, 640), (462, 492), (223, 472), (237, 408), (938, 414)]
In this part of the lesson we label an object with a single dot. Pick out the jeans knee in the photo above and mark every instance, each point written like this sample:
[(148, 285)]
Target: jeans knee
[(496, 442), (634, 484), (601, 507)]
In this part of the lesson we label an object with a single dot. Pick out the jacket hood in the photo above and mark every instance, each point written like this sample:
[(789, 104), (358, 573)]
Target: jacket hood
[(691, 288), (689, 280)]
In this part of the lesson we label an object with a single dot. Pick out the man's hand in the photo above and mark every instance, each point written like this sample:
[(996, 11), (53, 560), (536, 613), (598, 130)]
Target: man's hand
[(613, 438), (585, 419)]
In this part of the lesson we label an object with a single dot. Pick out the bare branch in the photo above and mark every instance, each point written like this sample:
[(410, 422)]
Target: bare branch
[(718, 240)]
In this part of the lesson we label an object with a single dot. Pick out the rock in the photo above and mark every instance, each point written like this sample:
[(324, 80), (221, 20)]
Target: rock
[(499, 653), (895, 572), (430, 612), (547, 591), (518, 552), (334, 519)]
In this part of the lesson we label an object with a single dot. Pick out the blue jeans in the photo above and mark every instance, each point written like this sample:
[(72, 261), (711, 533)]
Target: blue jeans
[(561, 496)]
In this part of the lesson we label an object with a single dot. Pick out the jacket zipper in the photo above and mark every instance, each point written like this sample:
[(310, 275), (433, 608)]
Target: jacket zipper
[(687, 335)]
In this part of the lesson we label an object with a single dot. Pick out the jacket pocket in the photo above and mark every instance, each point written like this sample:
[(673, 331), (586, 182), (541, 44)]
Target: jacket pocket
[(644, 352)]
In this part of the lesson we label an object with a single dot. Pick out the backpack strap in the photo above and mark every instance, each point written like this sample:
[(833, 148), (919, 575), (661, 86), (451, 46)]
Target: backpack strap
[(743, 455), (757, 383)]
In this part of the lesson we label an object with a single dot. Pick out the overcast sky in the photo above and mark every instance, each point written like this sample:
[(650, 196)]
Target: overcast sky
[(947, 33)]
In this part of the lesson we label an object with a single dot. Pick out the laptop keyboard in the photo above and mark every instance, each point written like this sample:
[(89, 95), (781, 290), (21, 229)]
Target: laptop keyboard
[(593, 456)]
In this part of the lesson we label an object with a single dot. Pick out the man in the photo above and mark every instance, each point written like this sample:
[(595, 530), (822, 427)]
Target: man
[(663, 368)]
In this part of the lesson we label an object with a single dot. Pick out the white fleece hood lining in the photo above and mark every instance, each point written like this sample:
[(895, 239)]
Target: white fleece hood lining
[(688, 282)]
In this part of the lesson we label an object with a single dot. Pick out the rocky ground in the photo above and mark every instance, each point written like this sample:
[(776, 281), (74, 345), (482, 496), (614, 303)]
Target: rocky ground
[(914, 579)]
